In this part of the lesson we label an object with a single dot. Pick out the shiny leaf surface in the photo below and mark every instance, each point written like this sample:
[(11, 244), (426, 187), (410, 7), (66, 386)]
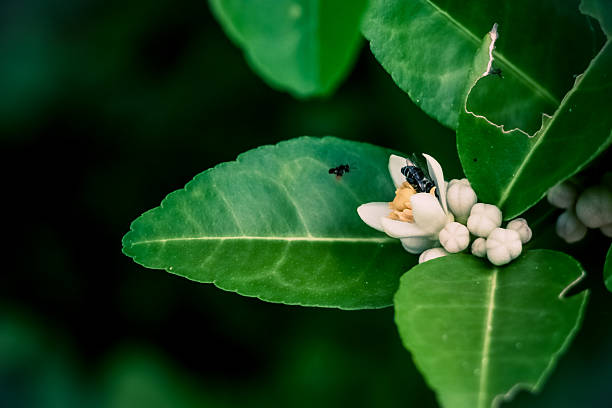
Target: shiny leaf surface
[(513, 169), (478, 333), (276, 225), (428, 46)]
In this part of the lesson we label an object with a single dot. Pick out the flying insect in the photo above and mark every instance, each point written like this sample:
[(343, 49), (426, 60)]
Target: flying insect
[(340, 170)]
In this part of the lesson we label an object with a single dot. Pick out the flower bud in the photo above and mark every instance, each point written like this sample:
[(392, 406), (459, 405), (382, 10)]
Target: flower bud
[(454, 237), (460, 198), (479, 247), (563, 195), (483, 219), (594, 207), (520, 225), (503, 245), (607, 230), (432, 253), (570, 228)]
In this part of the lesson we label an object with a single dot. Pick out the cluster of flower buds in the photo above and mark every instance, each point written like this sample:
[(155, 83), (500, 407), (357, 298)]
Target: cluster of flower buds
[(482, 221), (444, 214), (591, 208)]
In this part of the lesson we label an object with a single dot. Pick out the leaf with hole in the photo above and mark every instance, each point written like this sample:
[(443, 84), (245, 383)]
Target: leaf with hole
[(512, 169), (275, 224), (428, 46), (478, 333), (303, 46)]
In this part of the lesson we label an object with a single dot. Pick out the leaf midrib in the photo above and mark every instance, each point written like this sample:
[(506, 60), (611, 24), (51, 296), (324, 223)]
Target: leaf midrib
[(486, 342), (265, 238), (522, 75)]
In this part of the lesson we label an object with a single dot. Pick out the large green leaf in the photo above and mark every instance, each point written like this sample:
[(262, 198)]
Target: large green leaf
[(608, 270), (478, 333), (304, 46), (428, 46), (276, 225), (513, 169)]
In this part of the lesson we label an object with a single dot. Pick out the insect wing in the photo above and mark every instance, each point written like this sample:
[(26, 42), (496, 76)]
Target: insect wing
[(421, 164)]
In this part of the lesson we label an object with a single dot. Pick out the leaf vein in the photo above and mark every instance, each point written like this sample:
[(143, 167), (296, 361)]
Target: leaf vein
[(488, 328), (523, 76), (374, 240)]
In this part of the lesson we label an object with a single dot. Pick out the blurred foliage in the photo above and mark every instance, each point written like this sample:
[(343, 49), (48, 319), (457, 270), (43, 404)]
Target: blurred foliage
[(106, 107), (303, 46)]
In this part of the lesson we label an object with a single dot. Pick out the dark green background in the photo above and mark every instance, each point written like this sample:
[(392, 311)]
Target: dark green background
[(105, 107)]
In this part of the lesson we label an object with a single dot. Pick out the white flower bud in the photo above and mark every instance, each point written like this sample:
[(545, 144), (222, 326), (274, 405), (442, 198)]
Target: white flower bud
[(479, 247), (432, 253), (503, 245), (454, 237), (460, 198), (463, 181), (563, 195), (570, 228), (594, 207), (483, 219), (520, 225), (607, 230)]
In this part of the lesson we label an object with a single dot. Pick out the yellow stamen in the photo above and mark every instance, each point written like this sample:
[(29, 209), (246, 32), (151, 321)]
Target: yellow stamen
[(402, 197), (405, 215), (401, 208)]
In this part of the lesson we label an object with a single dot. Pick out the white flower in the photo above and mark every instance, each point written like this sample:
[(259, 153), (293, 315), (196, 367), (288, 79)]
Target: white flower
[(479, 247), (417, 217), (483, 219), (570, 228), (432, 253), (503, 245), (563, 195), (454, 237), (594, 207), (520, 225), (460, 197)]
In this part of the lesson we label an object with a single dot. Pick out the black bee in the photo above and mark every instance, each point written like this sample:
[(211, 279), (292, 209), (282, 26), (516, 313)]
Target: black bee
[(417, 178), (340, 170)]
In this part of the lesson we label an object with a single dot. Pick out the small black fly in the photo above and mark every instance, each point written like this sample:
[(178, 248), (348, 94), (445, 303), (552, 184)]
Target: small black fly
[(417, 178), (495, 71), (340, 170)]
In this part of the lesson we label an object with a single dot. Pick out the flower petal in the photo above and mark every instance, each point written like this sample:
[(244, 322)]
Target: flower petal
[(416, 245), (395, 169), (402, 229), (428, 214), (372, 213), (435, 172)]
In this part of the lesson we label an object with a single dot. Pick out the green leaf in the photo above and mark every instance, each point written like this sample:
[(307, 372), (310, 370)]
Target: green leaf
[(513, 169), (276, 225), (600, 10), (478, 333), (428, 46), (608, 270), (303, 46)]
